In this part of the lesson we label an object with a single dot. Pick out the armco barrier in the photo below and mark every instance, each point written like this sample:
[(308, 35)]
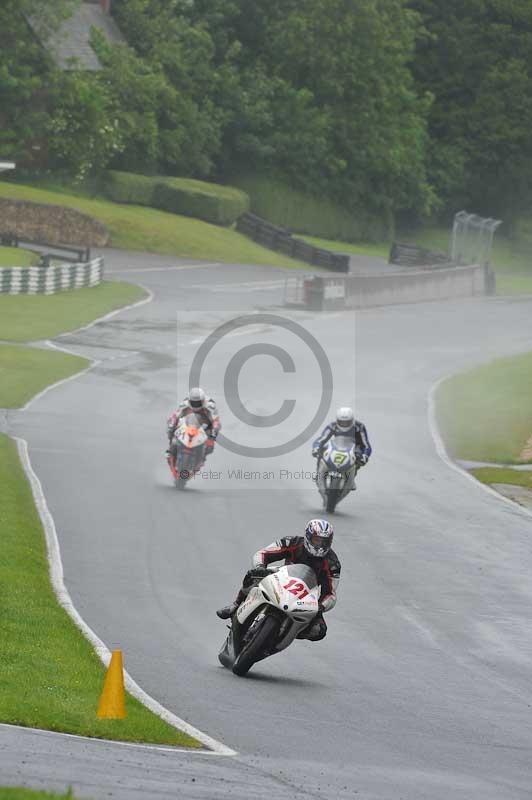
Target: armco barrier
[(281, 240), (50, 280), (410, 255), (324, 293)]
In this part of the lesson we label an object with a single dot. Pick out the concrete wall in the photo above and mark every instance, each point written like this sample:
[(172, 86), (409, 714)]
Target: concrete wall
[(364, 291), (39, 222)]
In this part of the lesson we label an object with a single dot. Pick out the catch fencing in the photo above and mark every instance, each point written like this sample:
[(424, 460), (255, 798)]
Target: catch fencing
[(281, 239), (50, 279)]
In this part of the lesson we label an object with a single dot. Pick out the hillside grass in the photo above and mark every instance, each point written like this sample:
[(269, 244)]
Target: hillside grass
[(381, 250), (51, 677), (149, 230), (16, 257), (25, 371), (486, 414), (26, 318), (513, 477), (14, 793)]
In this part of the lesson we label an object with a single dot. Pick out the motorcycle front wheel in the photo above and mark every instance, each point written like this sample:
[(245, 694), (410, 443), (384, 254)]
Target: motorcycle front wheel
[(332, 499), (253, 651)]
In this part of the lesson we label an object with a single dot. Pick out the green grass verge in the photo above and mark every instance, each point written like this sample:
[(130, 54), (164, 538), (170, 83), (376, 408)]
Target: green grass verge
[(362, 248), (51, 677), (513, 477), (16, 257), (149, 230), (24, 371), (12, 793), (486, 414), (30, 317)]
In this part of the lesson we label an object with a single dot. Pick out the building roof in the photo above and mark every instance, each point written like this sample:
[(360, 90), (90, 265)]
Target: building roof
[(69, 45)]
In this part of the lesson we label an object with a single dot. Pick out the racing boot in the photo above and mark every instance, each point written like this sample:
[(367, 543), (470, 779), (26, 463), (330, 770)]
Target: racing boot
[(227, 611)]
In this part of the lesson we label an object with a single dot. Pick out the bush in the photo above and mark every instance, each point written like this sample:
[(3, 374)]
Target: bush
[(126, 187), (221, 205), (279, 203)]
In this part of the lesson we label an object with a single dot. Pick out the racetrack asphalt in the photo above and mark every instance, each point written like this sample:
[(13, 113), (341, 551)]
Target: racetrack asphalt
[(422, 687)]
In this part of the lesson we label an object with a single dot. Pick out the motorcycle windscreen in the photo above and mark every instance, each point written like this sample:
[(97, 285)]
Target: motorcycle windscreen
[(302, 572), (192, 421), (343, 443)]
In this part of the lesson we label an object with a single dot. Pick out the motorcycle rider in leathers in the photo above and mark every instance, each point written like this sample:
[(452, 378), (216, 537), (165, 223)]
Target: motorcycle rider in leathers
[(345, 424), (205, 409), (312, 549)]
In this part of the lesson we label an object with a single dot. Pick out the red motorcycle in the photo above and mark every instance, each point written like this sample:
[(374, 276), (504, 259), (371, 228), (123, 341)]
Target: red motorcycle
[(188, 450)]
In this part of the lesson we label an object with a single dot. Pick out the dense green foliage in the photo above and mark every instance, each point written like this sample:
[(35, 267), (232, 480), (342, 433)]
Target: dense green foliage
[(221, 205), (302, 212), (476, 60), (380, 106)]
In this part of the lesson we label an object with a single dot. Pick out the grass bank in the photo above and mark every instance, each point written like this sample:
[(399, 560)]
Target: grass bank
[(16, 257), (381, 250), (513, 477), (486, 414), (149, 230), (51, 677), (12, 793), (25, 371), (25, 318)]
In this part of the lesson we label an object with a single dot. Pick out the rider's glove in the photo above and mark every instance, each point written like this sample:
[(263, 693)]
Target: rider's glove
[(260, 572), (214, 435), (361, 460), (255, 572), (315, 452)]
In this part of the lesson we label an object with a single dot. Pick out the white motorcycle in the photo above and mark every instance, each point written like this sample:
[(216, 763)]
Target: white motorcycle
[(337, 467), (276, 609)]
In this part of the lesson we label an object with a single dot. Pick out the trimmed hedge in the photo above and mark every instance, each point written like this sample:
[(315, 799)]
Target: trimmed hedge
[(281, 204), (221, 205)]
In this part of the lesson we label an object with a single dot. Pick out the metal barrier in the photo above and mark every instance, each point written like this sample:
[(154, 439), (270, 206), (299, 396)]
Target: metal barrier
[(282, 240), (410, 255), (51, 252)]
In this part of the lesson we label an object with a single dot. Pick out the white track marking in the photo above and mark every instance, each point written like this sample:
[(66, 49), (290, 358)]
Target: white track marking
[(56, 568), (111, 314), (64, 600), (158, 747), (442, 452)]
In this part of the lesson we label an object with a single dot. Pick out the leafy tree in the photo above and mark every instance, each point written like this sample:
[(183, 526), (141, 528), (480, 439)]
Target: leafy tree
[(83, 131), (25, 73), (476, 60), (345, 115)]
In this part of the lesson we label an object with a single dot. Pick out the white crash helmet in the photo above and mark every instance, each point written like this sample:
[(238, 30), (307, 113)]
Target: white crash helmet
[(319, 536), (345, 417), (196, 398)]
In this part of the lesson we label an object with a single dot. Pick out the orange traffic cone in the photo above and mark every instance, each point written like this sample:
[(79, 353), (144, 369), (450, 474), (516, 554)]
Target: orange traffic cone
[(112, 703)]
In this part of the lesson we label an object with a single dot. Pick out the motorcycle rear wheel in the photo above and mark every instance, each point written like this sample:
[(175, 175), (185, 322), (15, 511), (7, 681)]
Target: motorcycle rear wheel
[(254, 650)]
